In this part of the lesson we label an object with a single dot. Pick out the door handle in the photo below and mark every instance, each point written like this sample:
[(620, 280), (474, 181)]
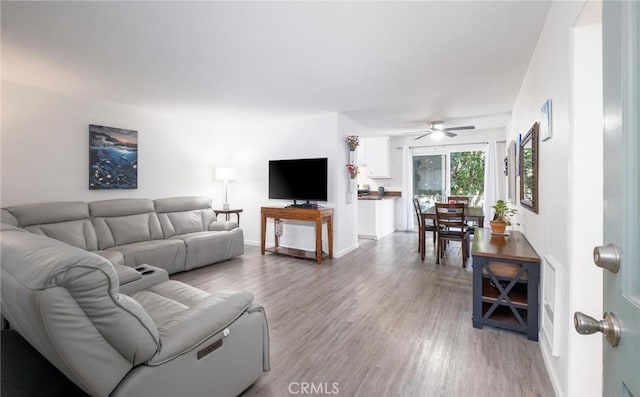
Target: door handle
[(609, 326), (607, 257)]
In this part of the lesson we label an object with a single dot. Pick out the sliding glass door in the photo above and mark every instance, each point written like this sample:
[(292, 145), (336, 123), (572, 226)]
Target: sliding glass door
[(430, 178), (449, 173), (466, 176)]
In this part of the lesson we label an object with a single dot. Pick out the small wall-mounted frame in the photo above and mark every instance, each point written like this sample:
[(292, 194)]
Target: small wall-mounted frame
[(546, 131), (529, 170), (511, 173)]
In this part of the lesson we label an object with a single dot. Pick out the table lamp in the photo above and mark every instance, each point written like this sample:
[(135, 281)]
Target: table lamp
[(226, 174)]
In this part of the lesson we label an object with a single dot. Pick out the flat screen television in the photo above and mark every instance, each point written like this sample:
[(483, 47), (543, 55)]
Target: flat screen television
[(301, 179)]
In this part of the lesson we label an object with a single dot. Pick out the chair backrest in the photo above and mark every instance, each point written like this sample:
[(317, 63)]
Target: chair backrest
[(418, 211), (450, 215), (459, 200)]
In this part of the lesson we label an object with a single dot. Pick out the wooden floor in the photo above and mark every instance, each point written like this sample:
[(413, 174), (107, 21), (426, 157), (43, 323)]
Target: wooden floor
[(378, 322)]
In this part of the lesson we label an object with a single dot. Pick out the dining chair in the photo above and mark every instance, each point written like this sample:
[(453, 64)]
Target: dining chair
[(423, 228), (459, 200), (466, 201), (451, 227)]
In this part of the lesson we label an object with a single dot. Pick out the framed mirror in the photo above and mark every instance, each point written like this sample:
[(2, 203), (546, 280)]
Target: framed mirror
[(529, 170)]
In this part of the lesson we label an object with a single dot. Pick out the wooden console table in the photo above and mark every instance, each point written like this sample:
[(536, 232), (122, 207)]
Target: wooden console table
[(316, 215), (506, 274)]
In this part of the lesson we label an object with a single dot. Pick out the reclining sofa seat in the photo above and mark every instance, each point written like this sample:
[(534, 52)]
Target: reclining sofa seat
[(191, 220), (131, 227), (170, 339)]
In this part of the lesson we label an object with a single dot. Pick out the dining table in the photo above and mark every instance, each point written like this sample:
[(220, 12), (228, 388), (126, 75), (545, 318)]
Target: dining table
[(474, 214)]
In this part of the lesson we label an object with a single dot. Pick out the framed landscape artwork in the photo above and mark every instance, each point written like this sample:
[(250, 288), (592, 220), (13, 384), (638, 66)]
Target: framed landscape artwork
[(113, 158)]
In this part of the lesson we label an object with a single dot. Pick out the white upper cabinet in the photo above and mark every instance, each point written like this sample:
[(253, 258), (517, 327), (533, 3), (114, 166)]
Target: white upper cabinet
[(376, 157), (361, 153)]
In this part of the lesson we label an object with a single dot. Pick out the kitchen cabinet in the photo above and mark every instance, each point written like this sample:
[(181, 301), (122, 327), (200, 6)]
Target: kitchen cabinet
[(377, 157), (374, 155), (376, 218)]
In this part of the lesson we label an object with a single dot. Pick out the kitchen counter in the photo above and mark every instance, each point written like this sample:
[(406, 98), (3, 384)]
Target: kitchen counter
[(376, 215), (373, 195)]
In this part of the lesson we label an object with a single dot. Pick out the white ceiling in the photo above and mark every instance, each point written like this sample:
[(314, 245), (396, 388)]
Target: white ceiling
[(390, 66)]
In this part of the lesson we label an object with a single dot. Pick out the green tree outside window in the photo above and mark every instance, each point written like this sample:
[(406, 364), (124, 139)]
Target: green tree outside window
[(467, 174)]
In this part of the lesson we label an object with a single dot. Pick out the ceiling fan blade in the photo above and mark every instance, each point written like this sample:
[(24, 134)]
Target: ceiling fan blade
[(423, 135), (415, 132), (466, 127), (449, 134)]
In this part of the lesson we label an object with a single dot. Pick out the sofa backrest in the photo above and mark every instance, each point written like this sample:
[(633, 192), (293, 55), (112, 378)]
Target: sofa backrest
[(180, 215), (65, 302), (124, 221), (7, 218), (67, 221)]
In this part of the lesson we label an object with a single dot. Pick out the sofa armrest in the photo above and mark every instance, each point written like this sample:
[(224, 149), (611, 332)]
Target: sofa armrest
[(222, 226), (189, 328)]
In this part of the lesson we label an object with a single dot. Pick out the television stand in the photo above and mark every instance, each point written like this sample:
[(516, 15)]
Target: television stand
[(303, 205), (316, 215)]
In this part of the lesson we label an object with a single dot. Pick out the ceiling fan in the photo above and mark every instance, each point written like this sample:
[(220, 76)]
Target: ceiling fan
[(437, 130)]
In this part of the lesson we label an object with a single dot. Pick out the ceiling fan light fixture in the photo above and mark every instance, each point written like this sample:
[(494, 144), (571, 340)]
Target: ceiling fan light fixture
[(437, 135), (437, 125)]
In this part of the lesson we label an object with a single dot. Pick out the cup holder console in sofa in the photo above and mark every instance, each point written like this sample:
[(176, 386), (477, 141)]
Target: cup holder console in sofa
[(148, 276)]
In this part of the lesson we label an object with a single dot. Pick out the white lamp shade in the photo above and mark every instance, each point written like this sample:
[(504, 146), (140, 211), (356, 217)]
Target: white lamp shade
[(226, 173)]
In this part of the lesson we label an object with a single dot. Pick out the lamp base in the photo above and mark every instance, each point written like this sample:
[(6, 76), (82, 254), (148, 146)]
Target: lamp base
[(225, 206)]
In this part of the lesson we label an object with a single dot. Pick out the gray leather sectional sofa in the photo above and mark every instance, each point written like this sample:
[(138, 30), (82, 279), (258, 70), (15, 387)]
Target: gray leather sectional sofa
[(175, 234), (118, 330)]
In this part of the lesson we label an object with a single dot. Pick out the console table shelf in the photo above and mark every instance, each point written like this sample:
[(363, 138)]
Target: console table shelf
[(506, 272), (318, 216)]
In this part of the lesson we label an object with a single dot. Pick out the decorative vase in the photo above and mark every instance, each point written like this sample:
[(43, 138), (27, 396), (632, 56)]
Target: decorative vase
[(352, 148), (498, 227)]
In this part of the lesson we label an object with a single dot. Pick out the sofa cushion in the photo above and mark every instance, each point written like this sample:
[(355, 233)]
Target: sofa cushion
[(120, 207), (165, 254), (185, 316), (6, 217), (180, 204), (79, 234), (64, 221), (115, 257), (180, 215), (124, 221), (205, 248), (219, 226), (53, 212)]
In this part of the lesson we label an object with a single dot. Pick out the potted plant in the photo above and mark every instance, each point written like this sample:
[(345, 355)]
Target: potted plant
[(353, 142), (503, 213), (353, 170)]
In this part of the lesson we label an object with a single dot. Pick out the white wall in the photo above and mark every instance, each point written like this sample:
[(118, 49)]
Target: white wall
[(44, 147), (586, 206), (551, 231)]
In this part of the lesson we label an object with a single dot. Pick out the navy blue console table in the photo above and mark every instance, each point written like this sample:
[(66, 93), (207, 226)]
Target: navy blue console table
[(506, 277)]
